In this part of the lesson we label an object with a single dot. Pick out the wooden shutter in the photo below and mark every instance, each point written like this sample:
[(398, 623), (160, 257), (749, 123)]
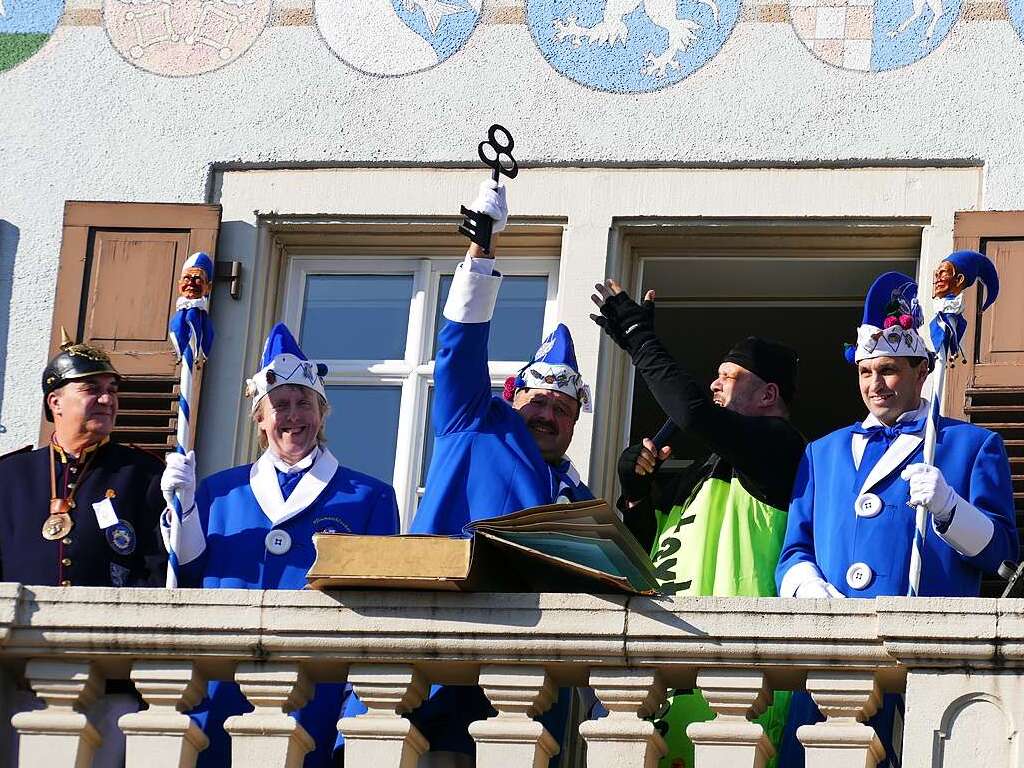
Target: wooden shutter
[(989, 389), (116, 288)]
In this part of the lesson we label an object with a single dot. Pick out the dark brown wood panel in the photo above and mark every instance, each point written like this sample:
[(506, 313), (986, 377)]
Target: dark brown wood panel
[(116, 288)]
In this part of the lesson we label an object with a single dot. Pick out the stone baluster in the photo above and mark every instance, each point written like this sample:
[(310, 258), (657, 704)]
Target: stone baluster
[(624, 739), (735, 695), (161, 736), (59, 736), (382, 737), (846, 699), (268, 736), (514, 738)]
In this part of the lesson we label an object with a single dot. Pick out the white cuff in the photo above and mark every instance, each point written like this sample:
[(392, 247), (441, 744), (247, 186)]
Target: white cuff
[(474, 292), (969, 531), (185, 539), (798, 575)]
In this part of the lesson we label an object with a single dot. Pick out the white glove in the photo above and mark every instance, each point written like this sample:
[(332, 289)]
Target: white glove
[(929, 487), (490, 199), (817, 588), (180, 476)]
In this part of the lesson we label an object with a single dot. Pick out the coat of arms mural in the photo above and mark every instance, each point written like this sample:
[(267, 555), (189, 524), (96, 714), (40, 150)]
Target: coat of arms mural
[(388, 38)]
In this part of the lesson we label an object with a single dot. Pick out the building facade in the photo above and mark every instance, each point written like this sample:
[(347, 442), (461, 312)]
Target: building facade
[(757, 163)]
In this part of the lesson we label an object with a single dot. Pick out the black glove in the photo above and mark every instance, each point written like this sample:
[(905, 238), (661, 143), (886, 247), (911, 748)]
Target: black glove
[(634, 486), (628, 324)]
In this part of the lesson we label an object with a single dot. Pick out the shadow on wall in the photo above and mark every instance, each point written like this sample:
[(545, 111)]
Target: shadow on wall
[(9, 237)]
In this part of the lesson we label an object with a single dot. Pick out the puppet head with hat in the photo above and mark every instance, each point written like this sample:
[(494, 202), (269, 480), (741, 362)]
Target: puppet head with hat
[(549, 394), (289, 402), (959, 271), (196, 276)]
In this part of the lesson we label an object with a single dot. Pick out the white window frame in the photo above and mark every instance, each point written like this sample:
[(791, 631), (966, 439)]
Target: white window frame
[(415, 372)]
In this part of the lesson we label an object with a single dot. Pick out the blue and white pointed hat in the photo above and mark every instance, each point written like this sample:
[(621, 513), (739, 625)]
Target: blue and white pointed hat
[(199, 260), (554, 367), (891, 320), (284, 362)]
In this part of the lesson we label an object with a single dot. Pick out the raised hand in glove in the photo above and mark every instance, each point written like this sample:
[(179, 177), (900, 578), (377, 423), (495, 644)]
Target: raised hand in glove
[(636, 468), (491, 200), (180, 476), (928, 486), (628, 324)]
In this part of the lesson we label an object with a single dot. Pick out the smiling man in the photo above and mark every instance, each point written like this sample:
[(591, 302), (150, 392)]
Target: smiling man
[(852, 517), (82, 510), (252, 526)]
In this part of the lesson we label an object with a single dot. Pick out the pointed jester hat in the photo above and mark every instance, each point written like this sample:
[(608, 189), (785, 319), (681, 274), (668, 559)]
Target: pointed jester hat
[(284, 362), (553, 367), (891, 321)]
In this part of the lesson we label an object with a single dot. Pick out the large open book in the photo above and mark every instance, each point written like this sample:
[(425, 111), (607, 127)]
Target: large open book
[(580, 547)]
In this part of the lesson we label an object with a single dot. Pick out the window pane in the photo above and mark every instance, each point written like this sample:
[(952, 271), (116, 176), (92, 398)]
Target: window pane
[(362, 430), (518, 317), (428, 435), (356, 317)]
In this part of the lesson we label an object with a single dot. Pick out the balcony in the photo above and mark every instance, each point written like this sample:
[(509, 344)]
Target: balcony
[(960, 663)]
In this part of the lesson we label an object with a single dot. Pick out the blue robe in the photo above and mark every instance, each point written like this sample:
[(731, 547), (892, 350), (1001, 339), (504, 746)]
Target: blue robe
[(485, 464), (823, 531), (234, 525)]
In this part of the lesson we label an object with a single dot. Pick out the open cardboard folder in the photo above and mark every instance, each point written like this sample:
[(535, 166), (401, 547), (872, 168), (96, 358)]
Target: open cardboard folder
[(580, 547)]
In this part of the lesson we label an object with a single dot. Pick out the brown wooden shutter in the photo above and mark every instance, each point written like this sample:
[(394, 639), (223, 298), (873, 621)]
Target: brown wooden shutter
[(989, 389), (116, 288)]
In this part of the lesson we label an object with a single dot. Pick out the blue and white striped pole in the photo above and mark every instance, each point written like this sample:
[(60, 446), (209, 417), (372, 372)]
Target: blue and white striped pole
[(931, 427), (191, 334), (183, 441)]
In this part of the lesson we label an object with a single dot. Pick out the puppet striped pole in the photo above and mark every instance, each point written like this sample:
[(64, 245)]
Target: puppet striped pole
[(957, 272), (191, 334)]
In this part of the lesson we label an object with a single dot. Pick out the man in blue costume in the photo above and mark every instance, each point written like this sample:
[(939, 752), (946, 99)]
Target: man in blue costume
[(493, 455), (251, 527), (851, 520)]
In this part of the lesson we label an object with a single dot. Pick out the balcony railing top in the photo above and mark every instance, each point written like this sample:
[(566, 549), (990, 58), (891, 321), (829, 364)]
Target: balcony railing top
[(592, 630)]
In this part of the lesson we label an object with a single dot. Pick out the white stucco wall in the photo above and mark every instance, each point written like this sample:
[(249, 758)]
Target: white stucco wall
[(78, 122)]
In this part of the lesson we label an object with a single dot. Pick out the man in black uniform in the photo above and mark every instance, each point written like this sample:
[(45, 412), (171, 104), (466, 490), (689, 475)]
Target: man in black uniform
[(719, 529), (82, 510)]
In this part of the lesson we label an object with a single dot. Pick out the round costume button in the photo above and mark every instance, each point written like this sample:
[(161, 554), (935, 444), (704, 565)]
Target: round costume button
[(867, 505), (278, 542), (859, 576)]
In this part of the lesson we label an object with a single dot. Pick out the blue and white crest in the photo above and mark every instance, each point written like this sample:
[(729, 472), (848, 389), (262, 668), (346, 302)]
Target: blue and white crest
[(873, 35), (389, 38), (24, 26), (630, 46)]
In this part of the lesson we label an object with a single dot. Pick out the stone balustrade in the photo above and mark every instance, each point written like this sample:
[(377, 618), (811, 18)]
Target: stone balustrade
[(959, 662)]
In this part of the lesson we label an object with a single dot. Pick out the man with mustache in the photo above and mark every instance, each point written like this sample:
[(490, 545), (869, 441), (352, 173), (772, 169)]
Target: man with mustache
[(493, 455), (717, 529), (82, 510)]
